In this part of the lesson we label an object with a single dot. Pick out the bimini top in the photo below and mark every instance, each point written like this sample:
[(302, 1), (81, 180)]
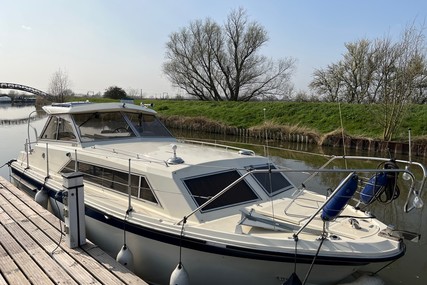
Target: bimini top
[(87, 107)]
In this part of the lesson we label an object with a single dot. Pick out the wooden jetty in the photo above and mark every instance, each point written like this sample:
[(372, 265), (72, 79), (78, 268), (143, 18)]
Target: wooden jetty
[(33, 249)]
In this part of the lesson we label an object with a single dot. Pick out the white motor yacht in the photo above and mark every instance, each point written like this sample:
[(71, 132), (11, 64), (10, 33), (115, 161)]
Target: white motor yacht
[(211, 213)]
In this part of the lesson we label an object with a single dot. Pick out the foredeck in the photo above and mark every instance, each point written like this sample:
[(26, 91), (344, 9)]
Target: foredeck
[(33, 252)]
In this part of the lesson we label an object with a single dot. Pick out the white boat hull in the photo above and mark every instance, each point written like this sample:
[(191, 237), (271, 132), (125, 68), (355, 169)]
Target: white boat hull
[(156, 261)]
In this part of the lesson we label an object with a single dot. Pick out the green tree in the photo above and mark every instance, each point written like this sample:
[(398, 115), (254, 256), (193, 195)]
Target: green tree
[(214, 62), (114, 92)]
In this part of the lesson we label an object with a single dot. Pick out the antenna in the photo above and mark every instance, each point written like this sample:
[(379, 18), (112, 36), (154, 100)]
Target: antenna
[(342, 134), (405, 174), (269, 167), (410, 146), (266, 134)]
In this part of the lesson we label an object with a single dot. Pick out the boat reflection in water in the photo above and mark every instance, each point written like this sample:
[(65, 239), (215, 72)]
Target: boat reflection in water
[(213, 213)]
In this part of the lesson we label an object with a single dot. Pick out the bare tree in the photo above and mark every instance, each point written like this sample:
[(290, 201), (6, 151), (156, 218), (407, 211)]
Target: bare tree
[(133, 92), (213, 62), (349, 80), (328, 82), (59, 85), (402, 66), (357, 69), (420, 92)]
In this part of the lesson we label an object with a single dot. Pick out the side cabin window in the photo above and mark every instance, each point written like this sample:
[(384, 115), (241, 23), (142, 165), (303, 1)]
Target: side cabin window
[(59, 128), (148, 125), (115, 180), (203, 188), (101, 126)]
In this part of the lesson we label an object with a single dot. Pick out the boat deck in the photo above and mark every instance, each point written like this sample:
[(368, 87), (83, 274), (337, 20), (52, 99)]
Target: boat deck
[(33, 252)]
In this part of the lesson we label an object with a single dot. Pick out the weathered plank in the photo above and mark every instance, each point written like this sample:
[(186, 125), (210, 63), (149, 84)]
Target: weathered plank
[(10, 273)]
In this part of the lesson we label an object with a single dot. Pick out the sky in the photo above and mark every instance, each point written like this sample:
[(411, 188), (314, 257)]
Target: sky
[(103, 43)]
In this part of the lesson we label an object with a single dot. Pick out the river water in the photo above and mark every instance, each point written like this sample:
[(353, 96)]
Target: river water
[(410, 269)]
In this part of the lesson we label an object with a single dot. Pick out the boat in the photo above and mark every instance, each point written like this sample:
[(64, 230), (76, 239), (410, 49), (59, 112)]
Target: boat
[(4, 99), (208, 213), (24, 100)]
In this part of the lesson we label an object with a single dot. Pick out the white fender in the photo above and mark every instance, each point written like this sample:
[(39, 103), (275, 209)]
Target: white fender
[(41, 198), (125, 257), (366, 280), (179, 276)]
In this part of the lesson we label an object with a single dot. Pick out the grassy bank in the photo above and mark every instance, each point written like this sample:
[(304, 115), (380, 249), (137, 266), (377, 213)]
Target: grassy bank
[(320, 118), (317, 118)]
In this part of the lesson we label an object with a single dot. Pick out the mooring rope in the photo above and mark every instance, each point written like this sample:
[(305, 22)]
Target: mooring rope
[(323, 237), (184, 220)]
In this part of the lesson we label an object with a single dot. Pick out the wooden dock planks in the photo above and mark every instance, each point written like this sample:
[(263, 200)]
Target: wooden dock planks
[(33, 251)]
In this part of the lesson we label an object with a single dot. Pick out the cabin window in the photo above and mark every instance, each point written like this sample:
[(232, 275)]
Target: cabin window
[(59, 128), (148, 125), (102, 126), (145, 191), (202, 188), (115, 180), (273, 182)]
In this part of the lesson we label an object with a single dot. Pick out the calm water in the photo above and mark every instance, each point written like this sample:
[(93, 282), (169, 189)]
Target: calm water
[(411, 269)]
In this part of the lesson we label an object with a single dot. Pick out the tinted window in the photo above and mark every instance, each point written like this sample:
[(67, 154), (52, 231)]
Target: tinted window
[(113, 179), (203, 188), (271, 182)]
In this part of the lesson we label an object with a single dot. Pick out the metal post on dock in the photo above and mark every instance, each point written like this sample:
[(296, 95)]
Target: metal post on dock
[(27, 152), (47, 160), (74, 209)]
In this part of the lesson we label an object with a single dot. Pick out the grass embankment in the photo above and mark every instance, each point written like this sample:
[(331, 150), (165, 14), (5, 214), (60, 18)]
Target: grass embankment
[(314, 119), (317, 119)]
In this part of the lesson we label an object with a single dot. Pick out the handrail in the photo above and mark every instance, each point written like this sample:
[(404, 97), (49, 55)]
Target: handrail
[(131, 153), (28, 149), (424, 170), (226, 147), (412, 191), (28, 129)]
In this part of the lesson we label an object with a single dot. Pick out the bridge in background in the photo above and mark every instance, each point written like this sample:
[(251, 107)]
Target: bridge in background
[(23, 88)]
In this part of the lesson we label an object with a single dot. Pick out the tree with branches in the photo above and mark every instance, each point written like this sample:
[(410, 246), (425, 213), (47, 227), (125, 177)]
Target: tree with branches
[(59, 85), (213, 62)]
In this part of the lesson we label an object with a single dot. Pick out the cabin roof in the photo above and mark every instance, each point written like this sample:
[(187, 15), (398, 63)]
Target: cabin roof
[(85, 107)]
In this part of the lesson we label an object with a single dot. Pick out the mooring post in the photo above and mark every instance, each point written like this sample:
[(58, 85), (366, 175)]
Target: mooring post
[(74, 209)]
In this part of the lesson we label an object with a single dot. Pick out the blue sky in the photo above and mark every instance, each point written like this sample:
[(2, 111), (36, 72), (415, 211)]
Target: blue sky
[(102, 43)]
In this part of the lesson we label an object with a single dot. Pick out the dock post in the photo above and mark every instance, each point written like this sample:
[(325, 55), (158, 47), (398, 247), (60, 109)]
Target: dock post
[(74, 209)]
